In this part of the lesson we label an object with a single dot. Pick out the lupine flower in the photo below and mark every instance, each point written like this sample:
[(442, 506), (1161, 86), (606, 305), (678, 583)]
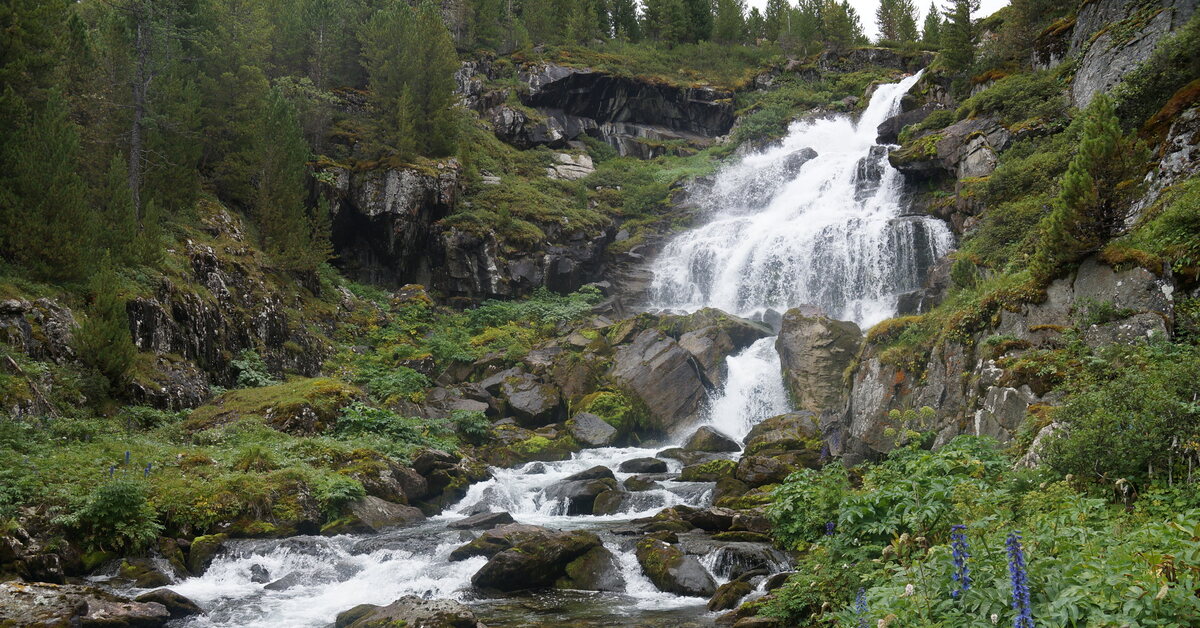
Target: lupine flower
[(1020, 581), (146, 473), (860, 607), (960, 552), (127, 457), (829, 528), (111, 470)]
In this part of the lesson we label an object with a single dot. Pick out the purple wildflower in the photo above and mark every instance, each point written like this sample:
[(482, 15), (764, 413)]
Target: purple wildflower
[(860, 607), (829, 528), (146, 473), (126, 457), (960, 552), (1020, 581)]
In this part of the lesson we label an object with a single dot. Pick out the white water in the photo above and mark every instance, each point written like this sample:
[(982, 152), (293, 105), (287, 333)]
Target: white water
[(828, 233)]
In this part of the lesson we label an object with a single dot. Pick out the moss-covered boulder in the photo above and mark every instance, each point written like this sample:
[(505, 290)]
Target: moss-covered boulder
[(589, 430), (597, 570), (711, 471), (709, 439), (729, 595), (511, 445), (370, 514), (620, 409), (498, 539), (761, 470), (302, 407), (673, 571), (203, 550), (786, 432), (142, 573), (536, 563), (409, 610), (532, 402)]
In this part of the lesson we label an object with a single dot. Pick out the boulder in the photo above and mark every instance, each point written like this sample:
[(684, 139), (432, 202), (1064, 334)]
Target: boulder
[(203, 550), (786, 432), (288, 581), (711, 471), (410, 611), (143, 573), (889, 130), (688, 457), (662, 374), (597, 570), (760, 470), (708, 439), (815, 352), (729, 595), (537, 563), (498, 539), (371, 514), (580, 494), (711, 335), (643, 465), (640, 483), (590, 430), (533, 403), (609, 502), (672, 571), (177, 605), (964, 150), (42, 604), (482, 521)]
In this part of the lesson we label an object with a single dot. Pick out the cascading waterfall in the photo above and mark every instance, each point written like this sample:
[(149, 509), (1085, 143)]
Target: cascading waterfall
[(816, 220)]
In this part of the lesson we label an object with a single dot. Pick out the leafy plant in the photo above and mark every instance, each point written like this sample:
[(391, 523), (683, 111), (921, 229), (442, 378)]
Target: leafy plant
[(252, 370), (117, 516)]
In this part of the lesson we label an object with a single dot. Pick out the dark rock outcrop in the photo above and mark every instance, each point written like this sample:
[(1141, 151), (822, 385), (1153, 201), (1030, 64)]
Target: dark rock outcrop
[(177, 605), (41, 604), (663, 375), (371, 514), (580, 491), (482, 521), (541, 562), (708, 439), (410, 610), (673, 571), (963, 150), (590, 430), (643, 465)]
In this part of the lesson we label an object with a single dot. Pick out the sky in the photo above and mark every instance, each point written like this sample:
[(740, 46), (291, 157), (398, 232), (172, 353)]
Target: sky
[(866, 11)]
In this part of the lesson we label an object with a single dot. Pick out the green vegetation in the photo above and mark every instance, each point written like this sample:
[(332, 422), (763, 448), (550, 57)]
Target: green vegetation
[(887, 532)]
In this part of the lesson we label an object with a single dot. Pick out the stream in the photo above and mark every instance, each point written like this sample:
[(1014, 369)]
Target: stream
[(786, 227)]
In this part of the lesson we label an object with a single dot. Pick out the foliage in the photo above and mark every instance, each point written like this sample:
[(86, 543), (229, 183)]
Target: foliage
[(252, 370), (1172, 66), (386, 385), (103, 340), (471, 425), (1021, 98), (806, 502), (405, 433), (116, 516), (334, 491)]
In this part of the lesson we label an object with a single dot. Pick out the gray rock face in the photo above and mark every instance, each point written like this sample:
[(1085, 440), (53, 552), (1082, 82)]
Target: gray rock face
[(815, 351), (1111, 49), (581, 490), (711, 335), (533, 403), (963, 150), (663, 375), (708, 439), (41, 604), (410, 610), (590, 430), (786, 432), (889, 130)]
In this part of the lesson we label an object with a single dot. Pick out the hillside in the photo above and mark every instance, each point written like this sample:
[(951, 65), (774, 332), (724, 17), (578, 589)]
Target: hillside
[(540, 313)]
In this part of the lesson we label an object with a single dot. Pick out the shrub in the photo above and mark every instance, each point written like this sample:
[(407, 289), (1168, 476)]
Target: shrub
[(117, 516), (808, 501), (1172, 65), (386, 385), (471, 425), (252, 370), (334, 492), (1018, 98)]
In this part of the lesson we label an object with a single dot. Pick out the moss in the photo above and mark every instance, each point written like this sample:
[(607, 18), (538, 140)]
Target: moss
[(619, 409), (920, 149), (710, 471), (280, 404)]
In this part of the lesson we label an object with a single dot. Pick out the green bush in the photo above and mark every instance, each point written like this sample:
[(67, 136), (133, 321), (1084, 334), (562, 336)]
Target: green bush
[(334, 492), (1174, 64), (386, 385), (1021, 97), (252, 370), (117, 516), (802, 506), (471, 425)]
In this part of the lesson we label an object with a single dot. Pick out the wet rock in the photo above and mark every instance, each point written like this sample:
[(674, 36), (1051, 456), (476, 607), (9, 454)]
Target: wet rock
[(708, 439), (482, 521), (777, 580), (711, 471), (609, 502), (786, 432), (731, 559), (729, 595), (689, 458), (729, 487), (889, 130), (177, 605), (672, 571), (662, 375), (640, 483), (579, 491), (742, 536), (597, 570), (535, 563), (371, 514), (143, 573), (42, 604), (203, 550), (498, 539), (259, 574), (590, 430), (760, 470), (758, 621), (643, 465), (711, 335), (815, 352), (283, 584), (412, 611), (533, 403)]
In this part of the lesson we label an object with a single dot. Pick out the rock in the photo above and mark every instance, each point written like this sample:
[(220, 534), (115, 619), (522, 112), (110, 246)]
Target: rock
[(640, 483), (777, 580), (410, 611), (203, 550), (688, 458), (732, 559), (643, 465), (595, 473), (786, 432), (729, 595), (672, 571), (143, 573), (711, 519), (760, 470), (597, 570), (535, 563), (568, 167), (482, 521), (288, 581), (661, 374), (177, 605), (428, 460), (815, 352), (609, 502), (758, 621), (966, 149), (889, 130), (579, 491), (498, 539), (1033, 457), (42, 604), (590, 430), (371, 514), (533, 403), (259, 574), (711, 335), (708, 439), (710, 471)]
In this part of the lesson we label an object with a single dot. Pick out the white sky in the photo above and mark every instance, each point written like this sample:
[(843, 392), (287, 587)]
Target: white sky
[(866, 11)]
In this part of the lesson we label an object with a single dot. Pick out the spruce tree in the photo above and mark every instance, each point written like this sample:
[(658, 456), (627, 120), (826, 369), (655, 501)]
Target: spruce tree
[(756, 26), (775, 21), (118, 221), (625, 20), (958, 36), (282, 217), (841, 29), (730, 24), (931, 31), (699, 20), (102, 340)]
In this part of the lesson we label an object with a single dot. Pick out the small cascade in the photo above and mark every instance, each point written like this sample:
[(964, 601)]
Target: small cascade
[(753, 390)]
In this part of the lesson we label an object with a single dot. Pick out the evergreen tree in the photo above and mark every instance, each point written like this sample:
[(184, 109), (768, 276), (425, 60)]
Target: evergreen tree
[(730, 24), (46, 225), (958, 36), (897, 20), (756, 25), (775, 22), (841, 28), (931, 31), (102, 340), (625, 20), (805, 28), (1097, 189), (118, 221), (699, 20)]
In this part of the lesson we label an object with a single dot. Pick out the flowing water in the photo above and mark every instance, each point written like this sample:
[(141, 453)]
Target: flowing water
[(787, 228)]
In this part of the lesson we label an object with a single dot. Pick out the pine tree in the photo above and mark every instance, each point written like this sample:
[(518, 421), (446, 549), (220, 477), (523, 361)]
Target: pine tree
[(897, 20), (102, 340), (805, 28), (931, 32), (775, 22), (841, 29), (1097, 189), (699, 20), (282, 217), (756, 26), (730, 24), (119, 221), (958, 36), (625, 20)]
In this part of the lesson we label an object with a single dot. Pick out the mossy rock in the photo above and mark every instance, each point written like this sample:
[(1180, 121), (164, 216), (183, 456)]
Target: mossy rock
[(619, 409), (301, 407), (711, 471), (204, 549), (742, 536), (760, 496), (142, 573)]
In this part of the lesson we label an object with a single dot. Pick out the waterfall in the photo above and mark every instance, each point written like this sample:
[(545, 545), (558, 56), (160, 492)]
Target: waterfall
[(815, 220)]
